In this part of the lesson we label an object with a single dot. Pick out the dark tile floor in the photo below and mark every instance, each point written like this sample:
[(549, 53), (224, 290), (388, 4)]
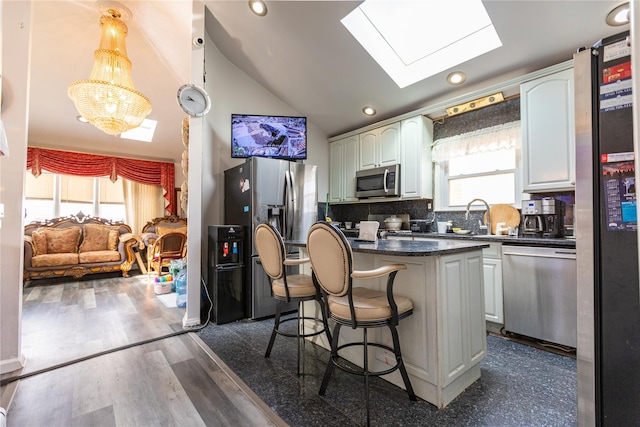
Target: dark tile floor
[(519, 385)]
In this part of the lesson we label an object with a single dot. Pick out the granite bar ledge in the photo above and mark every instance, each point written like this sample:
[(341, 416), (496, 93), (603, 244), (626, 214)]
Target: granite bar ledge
[(411, 248)]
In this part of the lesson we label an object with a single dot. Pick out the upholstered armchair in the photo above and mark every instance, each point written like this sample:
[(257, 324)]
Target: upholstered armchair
[(156, 228), (162, 225), (166, 248)]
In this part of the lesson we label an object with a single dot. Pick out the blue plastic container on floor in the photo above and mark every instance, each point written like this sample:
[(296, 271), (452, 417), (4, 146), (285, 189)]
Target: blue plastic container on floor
[(181, 290)]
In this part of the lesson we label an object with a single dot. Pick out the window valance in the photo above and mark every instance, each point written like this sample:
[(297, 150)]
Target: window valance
[(495, 138), (80, 164)]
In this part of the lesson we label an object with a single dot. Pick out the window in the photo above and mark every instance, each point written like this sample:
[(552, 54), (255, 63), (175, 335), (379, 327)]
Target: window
[(53, 195), (481, 164)]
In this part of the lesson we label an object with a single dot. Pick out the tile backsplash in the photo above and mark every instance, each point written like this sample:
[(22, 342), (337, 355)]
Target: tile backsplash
[(421, 209), (356, 212), (458, 217)]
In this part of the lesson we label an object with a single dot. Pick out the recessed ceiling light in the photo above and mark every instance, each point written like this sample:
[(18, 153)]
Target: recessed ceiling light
[(258, 7), (369, 111), (619, 15), (456, 78), (82, 119)]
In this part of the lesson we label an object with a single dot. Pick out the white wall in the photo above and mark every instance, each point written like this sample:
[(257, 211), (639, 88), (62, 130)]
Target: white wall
[(233, 91), (16, 29)]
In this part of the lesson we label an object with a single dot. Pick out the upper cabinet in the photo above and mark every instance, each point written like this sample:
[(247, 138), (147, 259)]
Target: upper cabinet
[(548, 136), (380, 147), (407, 143), (416, 177), (343, 158)]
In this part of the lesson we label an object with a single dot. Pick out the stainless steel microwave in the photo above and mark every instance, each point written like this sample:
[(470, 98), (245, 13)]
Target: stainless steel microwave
[(378, 182)]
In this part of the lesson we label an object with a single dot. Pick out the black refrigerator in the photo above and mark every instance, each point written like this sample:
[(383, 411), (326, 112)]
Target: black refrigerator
[(608, 350), (281, 193)]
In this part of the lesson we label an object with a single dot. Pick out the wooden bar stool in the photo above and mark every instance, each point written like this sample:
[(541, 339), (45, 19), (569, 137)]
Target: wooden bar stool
[(356, 307), (286, 288)]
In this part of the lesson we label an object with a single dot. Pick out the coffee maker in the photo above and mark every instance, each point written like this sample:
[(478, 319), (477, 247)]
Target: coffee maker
[(552, 216), (532, 221)]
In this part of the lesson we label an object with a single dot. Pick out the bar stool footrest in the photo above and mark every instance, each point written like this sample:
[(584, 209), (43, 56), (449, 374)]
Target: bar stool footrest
[(346, 365), (305, 335)]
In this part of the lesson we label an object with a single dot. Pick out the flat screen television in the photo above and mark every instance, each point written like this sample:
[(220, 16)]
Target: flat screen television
[(278, 137)]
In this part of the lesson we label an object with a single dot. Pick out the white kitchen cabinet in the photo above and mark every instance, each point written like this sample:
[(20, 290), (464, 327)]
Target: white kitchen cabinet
[(461, 303), (492, 274), (444, 341), (379, 147), (416, 169), (548, 136), (493, 297), (343, 159)]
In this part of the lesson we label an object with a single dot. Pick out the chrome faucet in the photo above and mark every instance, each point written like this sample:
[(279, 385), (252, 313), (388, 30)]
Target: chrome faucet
[(466, 217)]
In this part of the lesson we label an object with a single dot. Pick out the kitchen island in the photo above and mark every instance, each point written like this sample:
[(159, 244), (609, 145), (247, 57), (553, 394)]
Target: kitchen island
[(444, 340)]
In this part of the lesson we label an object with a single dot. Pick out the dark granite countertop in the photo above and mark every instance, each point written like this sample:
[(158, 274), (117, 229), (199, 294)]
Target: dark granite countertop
[(507, 240), (408, 247)]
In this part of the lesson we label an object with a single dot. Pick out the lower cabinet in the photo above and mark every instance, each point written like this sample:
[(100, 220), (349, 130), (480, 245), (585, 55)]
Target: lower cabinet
[(493, 297), (461, 308), (444, 340), (492, 272)]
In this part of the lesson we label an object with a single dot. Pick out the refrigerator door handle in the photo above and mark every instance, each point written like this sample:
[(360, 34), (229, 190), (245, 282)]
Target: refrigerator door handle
[(285, 211), (293, 201), (290, 205)]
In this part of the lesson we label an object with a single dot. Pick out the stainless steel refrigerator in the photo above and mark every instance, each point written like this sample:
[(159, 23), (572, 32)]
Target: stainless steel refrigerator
[(608, 350), (278, 192)]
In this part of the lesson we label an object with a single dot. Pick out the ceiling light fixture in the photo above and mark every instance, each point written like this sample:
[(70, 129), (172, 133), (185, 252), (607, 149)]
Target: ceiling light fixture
[(619, 15), (456, 78), (108, 99), (369, 111), (475, 104), (258, 7)]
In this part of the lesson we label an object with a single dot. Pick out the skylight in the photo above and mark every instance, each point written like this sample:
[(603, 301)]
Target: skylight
[(144, 132), (413, 40)]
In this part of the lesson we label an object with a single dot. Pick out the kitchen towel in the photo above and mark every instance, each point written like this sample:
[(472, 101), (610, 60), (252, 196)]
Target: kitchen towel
[(369, 230)]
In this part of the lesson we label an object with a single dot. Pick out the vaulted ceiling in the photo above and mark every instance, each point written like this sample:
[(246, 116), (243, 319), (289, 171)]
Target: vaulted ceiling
[(300, 51)]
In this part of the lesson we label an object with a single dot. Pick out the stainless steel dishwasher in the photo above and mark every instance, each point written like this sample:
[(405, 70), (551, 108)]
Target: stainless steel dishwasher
[(540, 293)]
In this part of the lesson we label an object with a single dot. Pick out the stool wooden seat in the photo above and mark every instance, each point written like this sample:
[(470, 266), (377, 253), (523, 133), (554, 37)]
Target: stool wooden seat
[(356, 307), (287, 287)]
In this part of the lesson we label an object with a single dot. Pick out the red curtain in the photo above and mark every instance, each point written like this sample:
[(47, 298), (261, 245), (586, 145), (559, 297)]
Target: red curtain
[(142, 171)]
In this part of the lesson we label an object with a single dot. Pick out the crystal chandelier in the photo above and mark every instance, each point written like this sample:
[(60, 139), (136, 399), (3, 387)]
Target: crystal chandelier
[(108, 99)]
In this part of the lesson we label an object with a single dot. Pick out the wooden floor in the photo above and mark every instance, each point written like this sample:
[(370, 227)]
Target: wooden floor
[(173, 381)]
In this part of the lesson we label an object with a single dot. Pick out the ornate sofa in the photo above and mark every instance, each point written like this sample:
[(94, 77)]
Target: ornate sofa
[(77, 245)]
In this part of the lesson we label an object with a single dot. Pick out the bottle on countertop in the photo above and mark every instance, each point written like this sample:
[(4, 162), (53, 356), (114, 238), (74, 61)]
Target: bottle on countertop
[(449, 227)]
